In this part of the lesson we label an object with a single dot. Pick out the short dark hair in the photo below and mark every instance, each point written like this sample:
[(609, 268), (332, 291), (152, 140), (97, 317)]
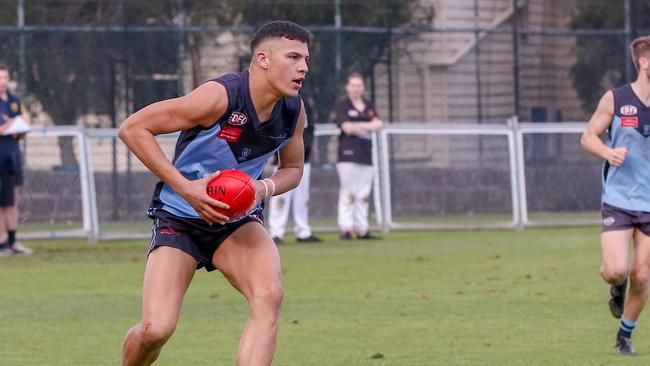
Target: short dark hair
[(278, 29), (4, 66)]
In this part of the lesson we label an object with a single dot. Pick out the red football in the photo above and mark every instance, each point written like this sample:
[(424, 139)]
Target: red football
[(235, 188)]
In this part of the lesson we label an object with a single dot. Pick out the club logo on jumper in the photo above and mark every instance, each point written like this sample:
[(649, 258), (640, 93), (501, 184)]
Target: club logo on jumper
[(628, 110), (15, 107), (230, 133), (244, 154), (630, 122), (237, 119), (353, 113)]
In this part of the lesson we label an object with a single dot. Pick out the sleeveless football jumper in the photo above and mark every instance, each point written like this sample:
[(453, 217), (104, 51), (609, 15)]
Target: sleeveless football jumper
[(238, 140), (628, 186)]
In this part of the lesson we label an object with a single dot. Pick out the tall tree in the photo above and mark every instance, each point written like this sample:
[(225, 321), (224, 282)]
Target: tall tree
[(72, 73)]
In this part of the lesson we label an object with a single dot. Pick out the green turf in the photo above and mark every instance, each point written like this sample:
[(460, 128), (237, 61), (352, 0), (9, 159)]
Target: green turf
[(414, 298)]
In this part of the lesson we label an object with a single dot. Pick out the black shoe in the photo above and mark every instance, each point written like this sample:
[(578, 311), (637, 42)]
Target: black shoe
[(277, 240), (5, 250), (309, 239), (617, 299), (368, 236), (348, 235), (624, 346)]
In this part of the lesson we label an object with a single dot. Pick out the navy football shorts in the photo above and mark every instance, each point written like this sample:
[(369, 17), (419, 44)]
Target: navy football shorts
[(615, 218), (7, 185), (19, 175), (194, 236)]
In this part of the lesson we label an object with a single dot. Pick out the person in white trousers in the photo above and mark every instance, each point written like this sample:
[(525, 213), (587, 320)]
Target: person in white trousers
[(357, 118), (296, 200)]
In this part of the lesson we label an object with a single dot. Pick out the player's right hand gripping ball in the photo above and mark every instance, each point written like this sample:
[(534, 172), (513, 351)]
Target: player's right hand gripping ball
[(234, 188)]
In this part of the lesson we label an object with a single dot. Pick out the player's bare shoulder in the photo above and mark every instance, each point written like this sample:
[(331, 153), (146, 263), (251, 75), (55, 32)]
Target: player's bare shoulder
[(207, 103), (604, 114), (606, 103)]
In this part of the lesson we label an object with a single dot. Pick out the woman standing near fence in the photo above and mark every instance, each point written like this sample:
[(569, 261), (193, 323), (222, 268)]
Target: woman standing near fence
[(357, 119)]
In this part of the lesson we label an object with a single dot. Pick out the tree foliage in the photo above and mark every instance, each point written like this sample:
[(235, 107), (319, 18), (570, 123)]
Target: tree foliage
[(71, 73)]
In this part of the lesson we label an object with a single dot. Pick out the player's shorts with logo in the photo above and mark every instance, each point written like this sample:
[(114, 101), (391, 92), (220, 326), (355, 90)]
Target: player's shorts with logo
[(194, 236), (615, 219)]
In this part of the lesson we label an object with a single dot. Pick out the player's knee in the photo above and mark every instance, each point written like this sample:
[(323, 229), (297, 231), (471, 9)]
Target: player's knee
[(612, 274), (269, 297), (154, 335), (640, 277)]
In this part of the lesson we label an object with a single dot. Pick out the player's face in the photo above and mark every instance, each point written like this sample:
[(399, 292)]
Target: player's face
[(4, 81), (288, 65), (355, 88)]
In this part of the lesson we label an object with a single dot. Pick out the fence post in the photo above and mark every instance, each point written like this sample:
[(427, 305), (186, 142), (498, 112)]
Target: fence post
[(518, 176), (88, 193), (384, 171)]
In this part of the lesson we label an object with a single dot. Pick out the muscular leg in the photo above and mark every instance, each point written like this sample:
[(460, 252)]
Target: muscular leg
[(167, 277), (250, 261), (615, 247), (639, 277)]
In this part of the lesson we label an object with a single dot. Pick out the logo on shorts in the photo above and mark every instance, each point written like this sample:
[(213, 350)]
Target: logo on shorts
[(257, 217), (237, 119), (609, 221), (628, 110), (169, 231)]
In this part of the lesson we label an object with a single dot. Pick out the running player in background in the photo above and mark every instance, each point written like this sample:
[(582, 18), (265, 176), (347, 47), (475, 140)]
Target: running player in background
[(623, 115)]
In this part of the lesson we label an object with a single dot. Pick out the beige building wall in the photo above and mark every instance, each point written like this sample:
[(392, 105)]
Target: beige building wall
[(436, 74)]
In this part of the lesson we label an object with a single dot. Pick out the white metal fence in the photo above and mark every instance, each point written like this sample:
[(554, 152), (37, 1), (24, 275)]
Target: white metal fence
[(429, 176)]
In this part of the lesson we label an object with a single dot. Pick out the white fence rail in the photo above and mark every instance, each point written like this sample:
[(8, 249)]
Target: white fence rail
[(429, 176)]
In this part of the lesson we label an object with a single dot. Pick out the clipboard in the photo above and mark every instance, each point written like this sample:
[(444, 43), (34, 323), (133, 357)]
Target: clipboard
[(18, 126)]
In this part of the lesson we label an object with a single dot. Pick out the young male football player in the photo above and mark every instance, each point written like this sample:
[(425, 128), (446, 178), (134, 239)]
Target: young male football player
[(623, 114), (235, 121)]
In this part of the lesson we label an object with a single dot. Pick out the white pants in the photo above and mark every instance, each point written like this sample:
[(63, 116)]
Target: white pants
[(354, 196), (298, 201)]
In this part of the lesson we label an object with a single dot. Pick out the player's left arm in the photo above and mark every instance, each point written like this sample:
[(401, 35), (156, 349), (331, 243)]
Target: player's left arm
[(292, 159)]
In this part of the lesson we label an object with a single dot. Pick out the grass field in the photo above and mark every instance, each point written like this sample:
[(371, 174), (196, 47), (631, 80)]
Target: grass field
[(414, 298)]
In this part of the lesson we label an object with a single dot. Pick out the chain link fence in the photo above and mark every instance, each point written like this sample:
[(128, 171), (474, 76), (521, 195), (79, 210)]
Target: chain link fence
[(91, 63)]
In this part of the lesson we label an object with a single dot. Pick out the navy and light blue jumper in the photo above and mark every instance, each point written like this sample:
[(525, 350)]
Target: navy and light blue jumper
[(238, 140), (628, 186)]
